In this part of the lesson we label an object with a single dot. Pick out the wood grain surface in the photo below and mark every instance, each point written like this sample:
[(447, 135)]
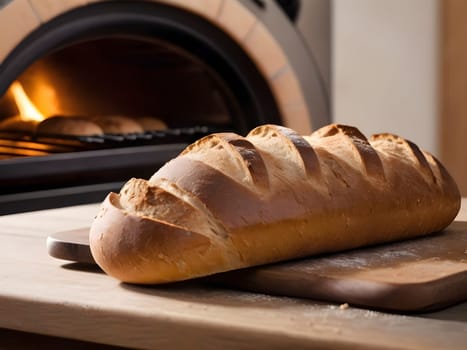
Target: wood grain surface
[(417, 275), (39, 294)]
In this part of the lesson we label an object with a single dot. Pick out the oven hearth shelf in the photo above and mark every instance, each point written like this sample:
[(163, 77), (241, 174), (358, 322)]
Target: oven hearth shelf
[(16, 144), (82, 169)]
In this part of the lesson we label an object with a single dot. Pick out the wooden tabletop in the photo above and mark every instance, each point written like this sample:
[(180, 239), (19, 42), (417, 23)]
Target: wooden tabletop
[(39, 294)]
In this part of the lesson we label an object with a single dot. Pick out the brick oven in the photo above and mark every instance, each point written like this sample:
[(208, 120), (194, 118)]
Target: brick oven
[(95, 92)]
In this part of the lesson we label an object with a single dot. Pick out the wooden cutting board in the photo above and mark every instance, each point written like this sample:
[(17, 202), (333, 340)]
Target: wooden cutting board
[(417, 275)]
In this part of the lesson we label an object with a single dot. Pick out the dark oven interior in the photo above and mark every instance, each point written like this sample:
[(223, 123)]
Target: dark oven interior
[(112, 91)]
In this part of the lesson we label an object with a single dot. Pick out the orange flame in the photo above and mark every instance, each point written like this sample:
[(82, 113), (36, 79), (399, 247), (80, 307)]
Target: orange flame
[(26, 108)]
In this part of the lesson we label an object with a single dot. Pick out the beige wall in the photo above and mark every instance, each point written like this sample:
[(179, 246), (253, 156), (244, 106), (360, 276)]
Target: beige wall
[(385, 63)]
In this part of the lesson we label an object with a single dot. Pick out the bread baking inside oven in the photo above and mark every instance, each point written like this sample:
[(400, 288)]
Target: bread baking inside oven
[(83, 126), (117, 124), (27, 126), (229, 202), (68, 125), (151, 123)]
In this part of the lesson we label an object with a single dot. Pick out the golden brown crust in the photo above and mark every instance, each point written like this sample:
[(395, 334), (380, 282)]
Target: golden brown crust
[(232, 155), (297, 144), (271, 196), (350, 137), (133, 248)]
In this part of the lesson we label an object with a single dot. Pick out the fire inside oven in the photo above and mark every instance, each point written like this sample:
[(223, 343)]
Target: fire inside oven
[(90, 92), (78, 119)]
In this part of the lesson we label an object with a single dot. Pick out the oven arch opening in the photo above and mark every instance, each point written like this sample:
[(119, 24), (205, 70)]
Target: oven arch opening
[(112, 26)]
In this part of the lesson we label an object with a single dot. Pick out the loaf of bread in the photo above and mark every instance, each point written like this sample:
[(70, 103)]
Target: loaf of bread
[(228, 202), (68, 125), (18, 124), (117, 124), (151, 123)]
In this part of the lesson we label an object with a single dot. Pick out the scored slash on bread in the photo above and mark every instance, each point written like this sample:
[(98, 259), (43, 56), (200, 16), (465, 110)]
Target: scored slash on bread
[(229, 202), (354, 140)]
